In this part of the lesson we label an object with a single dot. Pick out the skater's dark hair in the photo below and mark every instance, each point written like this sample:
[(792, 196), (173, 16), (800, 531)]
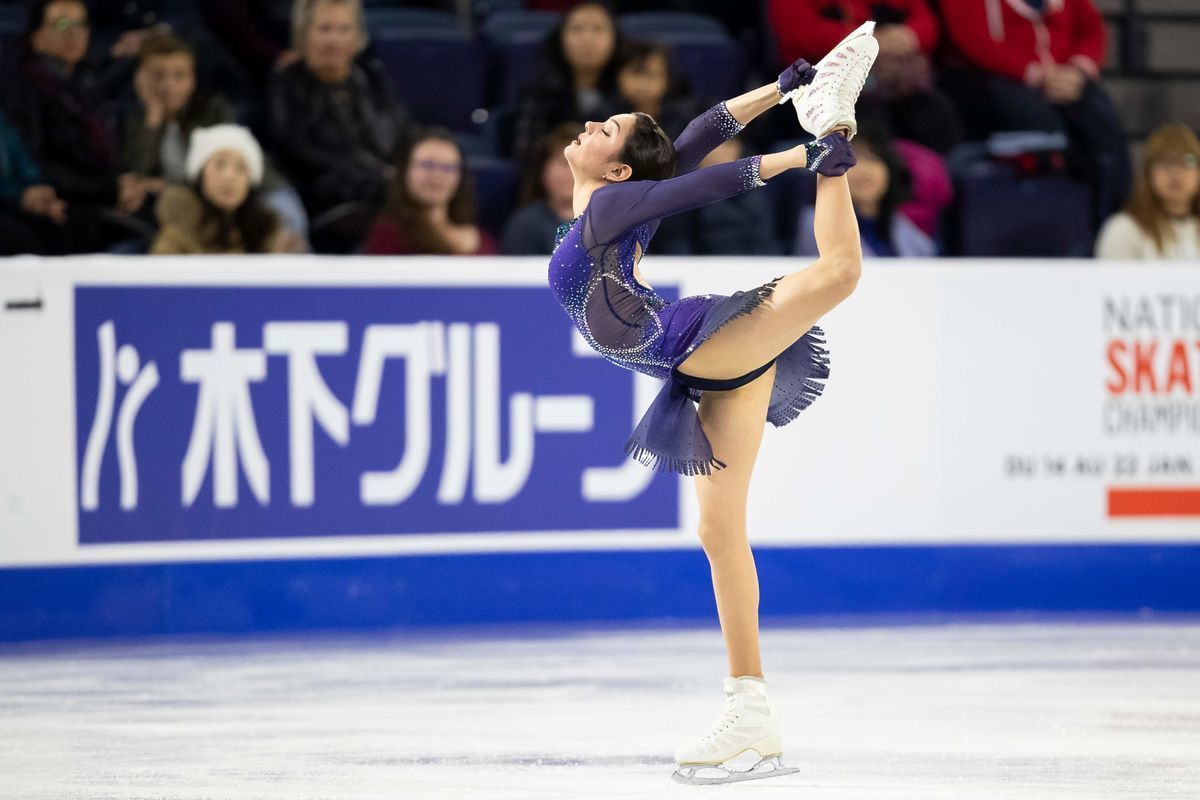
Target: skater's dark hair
[(648, 151)]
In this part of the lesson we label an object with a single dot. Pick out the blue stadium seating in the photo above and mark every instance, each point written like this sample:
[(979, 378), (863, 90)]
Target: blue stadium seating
[(496, 191), (381, 19), (514, 39), (1006, 214), (714, 65), (438, 74), (652, 24)]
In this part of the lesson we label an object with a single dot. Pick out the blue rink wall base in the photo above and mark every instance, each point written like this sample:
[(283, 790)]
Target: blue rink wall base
[(627, 585)]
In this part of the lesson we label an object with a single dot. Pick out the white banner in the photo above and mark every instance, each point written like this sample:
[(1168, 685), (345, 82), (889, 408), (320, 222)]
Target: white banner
[(969, 402)]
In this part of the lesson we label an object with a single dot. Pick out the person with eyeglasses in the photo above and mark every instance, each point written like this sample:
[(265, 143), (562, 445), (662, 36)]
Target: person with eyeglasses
[(1161, 220), (55, 103), (431, 209)]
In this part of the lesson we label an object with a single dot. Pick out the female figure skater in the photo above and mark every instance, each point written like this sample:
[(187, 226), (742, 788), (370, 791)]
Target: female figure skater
[(747, 358)]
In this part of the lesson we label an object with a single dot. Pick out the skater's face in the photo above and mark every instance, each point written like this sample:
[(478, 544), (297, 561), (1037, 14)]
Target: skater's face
[(225, 180), (588, 38), (64, 33), (595, 152), (434, 173), (1175, 180)]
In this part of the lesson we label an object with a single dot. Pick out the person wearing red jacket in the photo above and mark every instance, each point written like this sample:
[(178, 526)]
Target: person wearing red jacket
[(900, 95), (1035, 65)]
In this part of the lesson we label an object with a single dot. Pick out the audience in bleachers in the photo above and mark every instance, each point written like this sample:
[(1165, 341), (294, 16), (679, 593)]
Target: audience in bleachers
[(336, 123), (1035, 66), (302, 74), (220, 211), (879, 184), (169, 108), (1162, 218), (546, 198), (32, 214), (431, 209), (69, 126), (901, 90), (576, 76)]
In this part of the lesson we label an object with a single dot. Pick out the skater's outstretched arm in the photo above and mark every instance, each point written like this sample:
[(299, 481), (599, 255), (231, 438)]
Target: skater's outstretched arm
[(618, 207), (726, 119)]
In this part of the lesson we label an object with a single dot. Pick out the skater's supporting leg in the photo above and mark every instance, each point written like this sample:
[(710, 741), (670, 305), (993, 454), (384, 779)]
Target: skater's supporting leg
[(733, 421), (799, 300)]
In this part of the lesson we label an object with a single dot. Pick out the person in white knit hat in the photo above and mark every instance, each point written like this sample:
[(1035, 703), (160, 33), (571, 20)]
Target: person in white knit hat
[(220, 212)]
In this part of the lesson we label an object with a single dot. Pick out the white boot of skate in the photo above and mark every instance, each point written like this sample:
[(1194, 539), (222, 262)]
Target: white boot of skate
[(828, 102), (744, 744)]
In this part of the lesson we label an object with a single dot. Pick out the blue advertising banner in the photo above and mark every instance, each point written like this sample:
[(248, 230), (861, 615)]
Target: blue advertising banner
[(248, 412)]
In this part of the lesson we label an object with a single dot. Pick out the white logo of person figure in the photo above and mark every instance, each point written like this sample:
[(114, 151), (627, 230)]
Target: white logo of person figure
[(123, 364)]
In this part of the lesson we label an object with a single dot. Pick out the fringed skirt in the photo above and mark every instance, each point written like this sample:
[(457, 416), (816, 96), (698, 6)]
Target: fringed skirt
[(669, 436)]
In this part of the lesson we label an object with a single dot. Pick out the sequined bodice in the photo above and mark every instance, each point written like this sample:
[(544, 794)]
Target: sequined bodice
[(616, 314), (592, 268)]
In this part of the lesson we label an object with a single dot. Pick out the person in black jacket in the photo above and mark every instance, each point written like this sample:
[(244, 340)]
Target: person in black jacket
[(68, 125), (576, 78), (336, 122)]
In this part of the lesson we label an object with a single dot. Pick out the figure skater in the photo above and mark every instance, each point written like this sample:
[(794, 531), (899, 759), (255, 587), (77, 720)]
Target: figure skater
[(752, 357)]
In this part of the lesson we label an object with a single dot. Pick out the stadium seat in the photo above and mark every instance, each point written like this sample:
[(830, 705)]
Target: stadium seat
[(715, 65), (1002, 213), (438, 74), (653, 24), (495, 191), (381, 19), (514, 39)]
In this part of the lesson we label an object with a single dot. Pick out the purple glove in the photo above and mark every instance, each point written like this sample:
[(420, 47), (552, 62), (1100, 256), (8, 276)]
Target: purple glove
[(796, 75), (830, 155)]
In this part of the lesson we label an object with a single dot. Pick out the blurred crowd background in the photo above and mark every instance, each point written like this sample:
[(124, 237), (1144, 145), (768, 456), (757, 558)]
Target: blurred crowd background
[(987, 128)]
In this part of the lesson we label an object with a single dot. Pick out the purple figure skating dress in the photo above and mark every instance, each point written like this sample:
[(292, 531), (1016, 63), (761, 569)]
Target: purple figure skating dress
[(591, 274)]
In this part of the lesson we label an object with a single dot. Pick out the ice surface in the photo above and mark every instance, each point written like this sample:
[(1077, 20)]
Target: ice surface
[(980, 711)]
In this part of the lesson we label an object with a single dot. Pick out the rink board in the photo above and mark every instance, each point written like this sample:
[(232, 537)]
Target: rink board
[(210, 444)]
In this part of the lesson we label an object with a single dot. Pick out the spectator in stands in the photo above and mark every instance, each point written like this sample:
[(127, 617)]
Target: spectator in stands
[(901, 93), (576, 78), (169, 108), (220, 212), (432, 205), (336, 123), (1034, 65), (32, 215), (879, 184), (1162, 218), (546, 200), (55, 104), (647, 81)]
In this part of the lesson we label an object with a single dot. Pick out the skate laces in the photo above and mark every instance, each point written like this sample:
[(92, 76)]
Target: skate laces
[(727, 718)]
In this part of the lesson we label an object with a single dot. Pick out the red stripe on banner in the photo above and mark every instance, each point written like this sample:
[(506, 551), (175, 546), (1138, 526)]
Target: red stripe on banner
[(1177, 502)]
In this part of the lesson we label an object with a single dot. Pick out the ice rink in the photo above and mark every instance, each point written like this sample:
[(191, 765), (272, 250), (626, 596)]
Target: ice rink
[(1063, 709)]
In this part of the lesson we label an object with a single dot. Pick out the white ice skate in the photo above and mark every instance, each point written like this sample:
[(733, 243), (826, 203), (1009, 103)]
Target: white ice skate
[(743, 745), (828, 102)]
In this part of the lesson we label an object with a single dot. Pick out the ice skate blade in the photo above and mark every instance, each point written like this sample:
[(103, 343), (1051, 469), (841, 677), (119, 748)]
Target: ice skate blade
[(712, 774)]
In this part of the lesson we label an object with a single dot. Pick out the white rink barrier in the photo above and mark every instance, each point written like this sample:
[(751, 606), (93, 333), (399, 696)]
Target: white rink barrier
[(237, 409)]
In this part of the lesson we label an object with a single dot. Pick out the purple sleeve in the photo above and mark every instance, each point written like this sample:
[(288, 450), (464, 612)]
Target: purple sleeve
[(703, 135), (618, 207)]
